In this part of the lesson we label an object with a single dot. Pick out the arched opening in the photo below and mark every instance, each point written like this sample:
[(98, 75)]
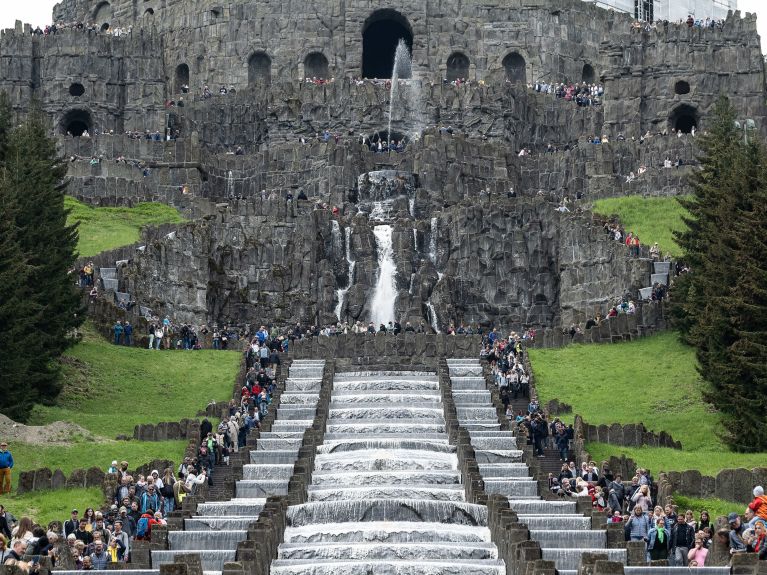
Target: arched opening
[(316, 66), (148, 12), (457, 67), (103, 13), (516, 68), (181, 84), (76, 90), (105, 26), (380, 35), (682, 88), (76, 122), (684, 118), (259, 69), (587, 74)]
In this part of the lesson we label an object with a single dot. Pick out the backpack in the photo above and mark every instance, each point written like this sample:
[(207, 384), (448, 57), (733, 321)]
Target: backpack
[(142, 528)]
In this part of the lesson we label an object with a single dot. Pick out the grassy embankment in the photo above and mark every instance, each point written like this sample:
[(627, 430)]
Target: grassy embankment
[(653, 381), (108, 390), (108, 228), (654, 219)]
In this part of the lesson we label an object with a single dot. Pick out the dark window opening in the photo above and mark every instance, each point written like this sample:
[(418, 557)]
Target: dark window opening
[(394, 137), (103, 12), (457, 67), (682, 87), (684, 119), (380, 36), (316, 66), (516, 68), (182, 79), (259, 69), (76, 122), (76, 90), (216, 12), (105, 26), (587, 75), (644, 10), (149, 12)]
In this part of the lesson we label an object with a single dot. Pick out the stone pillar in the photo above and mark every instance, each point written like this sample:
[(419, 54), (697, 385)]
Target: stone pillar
[(615, 536), (636, 554), (602, 567), (588, 560), (745, 564)]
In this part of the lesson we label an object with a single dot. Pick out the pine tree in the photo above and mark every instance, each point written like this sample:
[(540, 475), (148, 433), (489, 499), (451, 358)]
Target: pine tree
[(6, 117), (721, 305), (33, 181), (19, 314)]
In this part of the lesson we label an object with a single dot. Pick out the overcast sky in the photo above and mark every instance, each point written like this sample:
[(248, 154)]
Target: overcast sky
[(38, 12)]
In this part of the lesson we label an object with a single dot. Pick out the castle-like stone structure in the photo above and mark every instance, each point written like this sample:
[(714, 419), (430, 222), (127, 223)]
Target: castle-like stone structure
[(462, 246)]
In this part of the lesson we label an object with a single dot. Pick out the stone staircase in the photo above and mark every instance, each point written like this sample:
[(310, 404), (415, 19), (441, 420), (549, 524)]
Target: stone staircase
[(661, 274), (563, 533)]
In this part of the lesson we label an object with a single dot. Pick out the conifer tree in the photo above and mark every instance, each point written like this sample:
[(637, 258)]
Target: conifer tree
[(720, 306), (40, 249)]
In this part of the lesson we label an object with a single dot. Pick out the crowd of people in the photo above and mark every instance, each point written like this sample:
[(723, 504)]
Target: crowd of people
[(690, 22), (87, 27), (583, 94)]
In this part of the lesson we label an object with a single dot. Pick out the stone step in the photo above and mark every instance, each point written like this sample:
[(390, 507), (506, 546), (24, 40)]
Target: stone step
[(403, 435), (541, 507), (511, 487), (212, 560), (507, 442), (384, 477), (233, 508), (555, 522), (569, 538), (271, 471), (187, 540), (386, 426), (261, 487), (367, 492), (448, 551), (279, 457), (282, 444), (498, 455), (571, 558), (210, 523), (386, 532), (388, 567)]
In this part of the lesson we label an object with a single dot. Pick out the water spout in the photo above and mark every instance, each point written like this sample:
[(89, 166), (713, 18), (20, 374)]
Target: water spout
[(402, 68)]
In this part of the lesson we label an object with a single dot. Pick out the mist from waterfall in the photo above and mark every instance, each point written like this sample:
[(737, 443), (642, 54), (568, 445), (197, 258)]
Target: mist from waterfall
[(385, 292)]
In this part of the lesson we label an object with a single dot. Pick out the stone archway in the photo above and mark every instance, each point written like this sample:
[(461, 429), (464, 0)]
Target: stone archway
[(457, 67), (515, 67), (316, 66), (259, 69), (381, 33), (103, 14), (587, 74), (76, 122), (182, 79), (684, 118)]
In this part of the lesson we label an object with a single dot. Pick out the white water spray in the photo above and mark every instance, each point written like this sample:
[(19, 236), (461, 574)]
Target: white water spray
[(385, 292), (230, 184), (402, 68), (433, 240), (352, 264)]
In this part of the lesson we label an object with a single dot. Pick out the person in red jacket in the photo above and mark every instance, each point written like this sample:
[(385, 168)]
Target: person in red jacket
[(759, 504)]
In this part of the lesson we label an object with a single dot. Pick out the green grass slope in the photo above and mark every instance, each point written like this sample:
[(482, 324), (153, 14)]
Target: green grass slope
[(109, 389), (654, 219), (108, 228), (653, 381)]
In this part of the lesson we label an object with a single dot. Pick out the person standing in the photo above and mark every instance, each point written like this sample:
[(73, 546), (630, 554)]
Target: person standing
[(682, 539), (118, 330), (6, 464), (128, 333)]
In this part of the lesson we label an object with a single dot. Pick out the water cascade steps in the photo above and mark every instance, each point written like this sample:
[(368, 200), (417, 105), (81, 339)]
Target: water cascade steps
[(386, 496)]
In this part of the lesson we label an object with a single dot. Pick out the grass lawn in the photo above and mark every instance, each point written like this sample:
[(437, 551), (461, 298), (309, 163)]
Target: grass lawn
[(107, 228), (715, 507), (652, 381), (654, 219), (110, 389), (46, 506)]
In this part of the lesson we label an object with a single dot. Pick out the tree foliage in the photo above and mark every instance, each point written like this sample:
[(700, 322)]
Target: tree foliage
[(720, 307), (39, 303)]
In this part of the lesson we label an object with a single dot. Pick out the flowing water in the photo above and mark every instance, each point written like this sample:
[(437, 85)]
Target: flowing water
[(385, 291), (386, 498), (401, 69), (351, 264), (230, 184)]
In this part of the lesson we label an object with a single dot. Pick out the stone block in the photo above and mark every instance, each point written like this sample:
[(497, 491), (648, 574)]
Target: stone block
[(615, 434), (43, 478), (26, 482), (725, 485), (690, 483), (94, 477), (77, 478), (742, 485), (58, 480)]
